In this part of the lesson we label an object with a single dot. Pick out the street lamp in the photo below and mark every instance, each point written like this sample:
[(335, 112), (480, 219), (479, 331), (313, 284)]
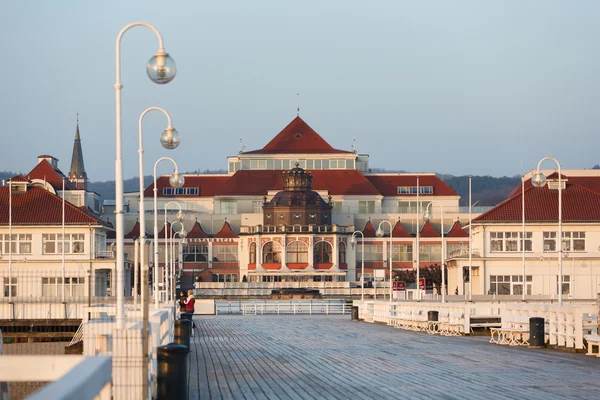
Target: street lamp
[(176, 181), (169, 139), (169, 230), (182, 233), (161, 69), (362, 249), (538, 180), (427, 216), (379, 233)]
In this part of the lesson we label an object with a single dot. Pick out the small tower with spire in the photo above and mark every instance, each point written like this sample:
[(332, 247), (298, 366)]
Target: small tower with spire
[(77, 173)]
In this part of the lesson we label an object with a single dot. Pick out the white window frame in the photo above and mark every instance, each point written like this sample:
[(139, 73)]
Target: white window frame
[(574, 241), (228, 207)]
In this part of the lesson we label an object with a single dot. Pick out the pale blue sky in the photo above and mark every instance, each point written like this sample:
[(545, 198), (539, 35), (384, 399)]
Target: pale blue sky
[(459, 87)]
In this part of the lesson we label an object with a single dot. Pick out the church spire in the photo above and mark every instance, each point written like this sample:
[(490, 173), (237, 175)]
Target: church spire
[(77, 173)]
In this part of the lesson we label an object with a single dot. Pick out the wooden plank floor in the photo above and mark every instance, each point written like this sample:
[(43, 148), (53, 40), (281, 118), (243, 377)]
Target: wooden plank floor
[(331, 357)]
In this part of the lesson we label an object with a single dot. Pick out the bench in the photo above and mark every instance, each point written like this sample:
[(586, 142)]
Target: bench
[(454, 326), (514, 331), (593, 341)]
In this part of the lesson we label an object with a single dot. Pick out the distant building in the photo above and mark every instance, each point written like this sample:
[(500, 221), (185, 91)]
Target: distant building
[(286, 212), (31, 210), (498, 241)]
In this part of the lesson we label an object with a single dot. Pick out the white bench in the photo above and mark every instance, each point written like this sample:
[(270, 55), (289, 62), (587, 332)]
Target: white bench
[(454, 326), (593, 341), (513, 332)]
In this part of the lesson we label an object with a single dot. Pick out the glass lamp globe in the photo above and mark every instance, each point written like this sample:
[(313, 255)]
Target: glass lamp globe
[(176, 180), (538, 180), (161, 68), (379, 232), (182, 233), (170, 138), (353, 241)]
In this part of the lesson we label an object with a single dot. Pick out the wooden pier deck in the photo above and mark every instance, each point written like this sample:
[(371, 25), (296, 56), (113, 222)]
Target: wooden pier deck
[(332, 357)]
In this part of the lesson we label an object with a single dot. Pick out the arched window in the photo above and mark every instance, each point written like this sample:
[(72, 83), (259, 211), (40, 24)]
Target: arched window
[(252, 253), (271, 253), (341, 253), (297, 252), (322, 253)]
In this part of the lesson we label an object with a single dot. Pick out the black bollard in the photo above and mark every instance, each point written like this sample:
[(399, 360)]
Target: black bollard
[(536, 333), (172, 372), (354, 313), (189, 316), (181, 332), (432, 316)]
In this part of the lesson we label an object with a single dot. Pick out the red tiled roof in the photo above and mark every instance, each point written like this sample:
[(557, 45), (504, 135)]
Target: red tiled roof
[(45, 172), (207, 185), (457, 230), (226, 232), (134, 233), (368, 230), (37, 206), (258, 182), (18, 178), (428, 230), (400, 231), (590, 182), (197, 232), (297, 138), (579, 204), (161, 234), (387, 185)]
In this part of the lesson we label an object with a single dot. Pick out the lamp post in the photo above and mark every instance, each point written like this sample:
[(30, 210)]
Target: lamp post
[(380, 234), (176, 181), (161, 69), (362, 250), (427, 216), (167, 231), (171, 271), (538, 180), (169, 139)]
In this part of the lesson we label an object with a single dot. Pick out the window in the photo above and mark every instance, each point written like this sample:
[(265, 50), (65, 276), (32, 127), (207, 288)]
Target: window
[(457, 249), (195, 253), (413, 189), (349, 164), (341, 253), (333, 164), (252, 251), (309, 164), (574, 241), (271, 253), (402, 252), (297, 252), (373, 252), (365, 207), (10, 288), (430, 252), (257, 207), (74, 287), (253, 164), (246, 164), (21, 244), (566, 284), (324, 164), (269, 164), (228, 207), (317, 164), (262, 164), (285, 164), (224, 277), (322, 253), (507, 285), (168, 191), (337, 206), (549, 241), (224, 253), (276, 164), (74, 243), (510, 241)]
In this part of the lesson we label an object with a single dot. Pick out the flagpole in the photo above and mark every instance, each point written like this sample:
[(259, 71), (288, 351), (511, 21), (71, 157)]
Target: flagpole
[(63, 240)]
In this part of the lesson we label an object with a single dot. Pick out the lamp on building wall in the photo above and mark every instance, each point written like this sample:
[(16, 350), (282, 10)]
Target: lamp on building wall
[(538, 180), (380, 233), (160, 69), (362, 250), (427, 217)]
